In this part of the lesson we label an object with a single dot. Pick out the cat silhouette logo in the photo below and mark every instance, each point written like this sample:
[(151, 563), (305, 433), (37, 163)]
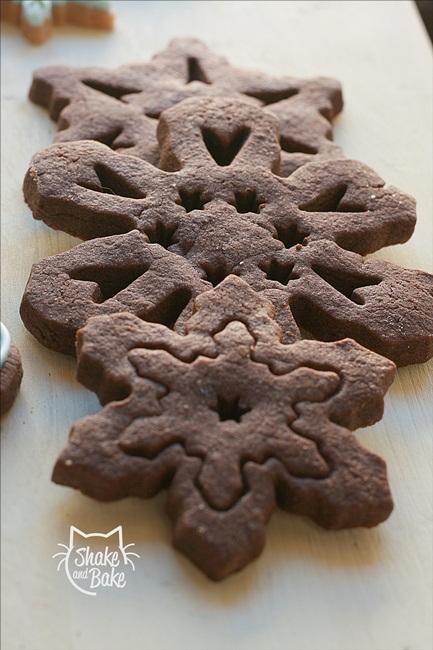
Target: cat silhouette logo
[(96, 561)]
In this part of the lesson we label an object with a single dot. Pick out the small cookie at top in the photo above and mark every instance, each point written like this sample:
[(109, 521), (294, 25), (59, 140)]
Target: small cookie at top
[(11, 371), (37, 17)]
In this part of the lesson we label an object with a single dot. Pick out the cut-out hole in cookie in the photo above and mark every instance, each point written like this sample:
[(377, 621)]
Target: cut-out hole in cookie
[(247, 201), (195, 71), (57, 106), (223, 148), (230, 409), (113, 183), (215, 273), (109, 137), (114, 90), (154, 115), (290, 234), (162, 234), (278, 272), (110, 280), (346, 282), (190, 199), (330, 201), (292, 145), (118, 392), (273, 96), (169, 309)]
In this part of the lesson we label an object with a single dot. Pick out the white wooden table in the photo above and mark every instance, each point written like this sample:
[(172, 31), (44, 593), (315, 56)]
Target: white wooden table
[(310, 590)]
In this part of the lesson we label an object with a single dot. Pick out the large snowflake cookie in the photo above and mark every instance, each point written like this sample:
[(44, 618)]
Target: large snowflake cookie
[(218, 206), (232, 421)]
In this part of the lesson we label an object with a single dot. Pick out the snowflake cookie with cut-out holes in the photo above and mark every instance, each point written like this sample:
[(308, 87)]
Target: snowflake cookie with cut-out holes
[(216, 207), (232, 421), (121, 107)]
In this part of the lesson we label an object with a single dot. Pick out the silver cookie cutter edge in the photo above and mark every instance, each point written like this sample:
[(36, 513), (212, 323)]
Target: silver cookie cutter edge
[(5, 344)]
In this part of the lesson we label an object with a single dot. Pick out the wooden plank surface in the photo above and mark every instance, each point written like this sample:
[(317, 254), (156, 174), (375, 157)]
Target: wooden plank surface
[(310, 590)]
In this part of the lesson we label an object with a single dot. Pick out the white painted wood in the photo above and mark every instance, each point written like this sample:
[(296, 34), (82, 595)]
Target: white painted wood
[(311, 590)]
